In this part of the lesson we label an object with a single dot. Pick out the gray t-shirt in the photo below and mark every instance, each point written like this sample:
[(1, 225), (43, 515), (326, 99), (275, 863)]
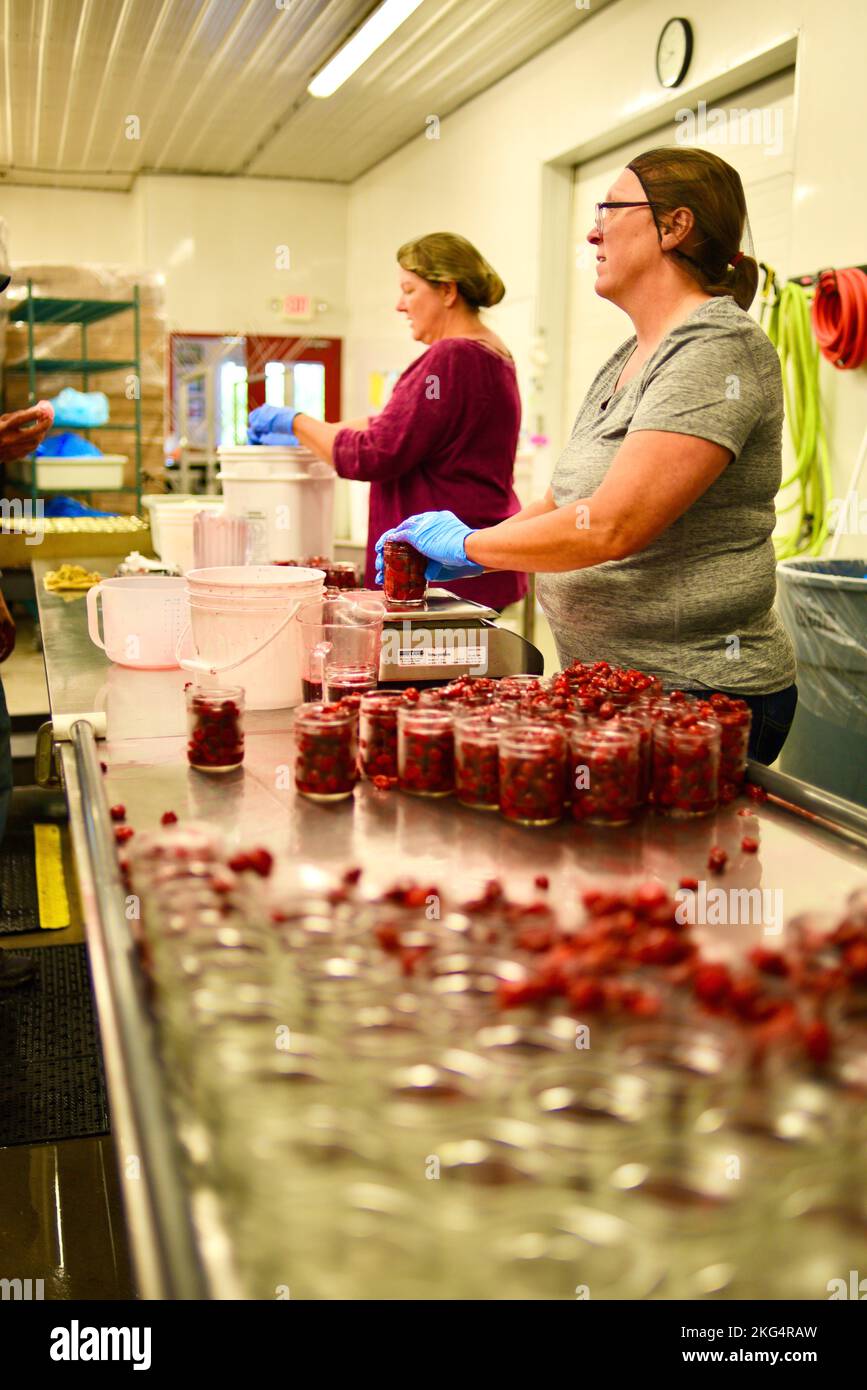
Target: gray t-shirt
[(674, 608)]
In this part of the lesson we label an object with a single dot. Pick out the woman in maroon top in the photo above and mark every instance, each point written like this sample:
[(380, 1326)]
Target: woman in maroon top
[(448, 435)]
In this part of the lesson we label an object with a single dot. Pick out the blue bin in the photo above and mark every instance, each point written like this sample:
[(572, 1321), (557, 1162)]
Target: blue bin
[(823, 604)]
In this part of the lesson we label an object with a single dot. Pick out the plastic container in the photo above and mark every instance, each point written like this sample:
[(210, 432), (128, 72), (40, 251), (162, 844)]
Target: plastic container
[(152, 502), (337, 631), (102, 474), (215, 728), (219, 539), (532, 772), (426, 751), (176, 530), (143, 617), (246, 460), (403, 578), (823, 604), (325, 752), (606, 773), (290, 514), (241, 621)]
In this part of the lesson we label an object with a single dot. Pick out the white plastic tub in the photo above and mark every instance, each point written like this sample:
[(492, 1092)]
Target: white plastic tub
[(250, 460), (101, 474), (290, 514), (175, 530), (242, 629)]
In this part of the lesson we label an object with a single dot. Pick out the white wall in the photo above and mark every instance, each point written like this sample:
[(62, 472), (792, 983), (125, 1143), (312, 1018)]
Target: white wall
[(213, 239), (484, 177)]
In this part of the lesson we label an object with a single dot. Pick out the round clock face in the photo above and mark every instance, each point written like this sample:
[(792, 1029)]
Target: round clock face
[(673, 52)]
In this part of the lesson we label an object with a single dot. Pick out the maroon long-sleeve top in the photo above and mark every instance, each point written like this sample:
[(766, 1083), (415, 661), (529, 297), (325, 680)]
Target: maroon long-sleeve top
[(445, 441)]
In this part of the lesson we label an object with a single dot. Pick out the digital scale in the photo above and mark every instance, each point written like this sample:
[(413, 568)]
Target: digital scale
[(451, 637)]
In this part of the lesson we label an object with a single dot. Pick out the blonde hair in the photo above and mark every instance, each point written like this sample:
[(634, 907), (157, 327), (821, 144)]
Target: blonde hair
[(443, 256), (674, 177)]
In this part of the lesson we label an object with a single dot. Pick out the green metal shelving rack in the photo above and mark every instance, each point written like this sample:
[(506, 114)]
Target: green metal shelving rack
[(37, 310)]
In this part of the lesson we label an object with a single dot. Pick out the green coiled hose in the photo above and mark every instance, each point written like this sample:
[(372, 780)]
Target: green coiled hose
[(790, 330)]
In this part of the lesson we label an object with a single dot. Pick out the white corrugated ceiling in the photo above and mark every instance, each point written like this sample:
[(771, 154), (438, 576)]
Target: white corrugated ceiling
[(219, 86)]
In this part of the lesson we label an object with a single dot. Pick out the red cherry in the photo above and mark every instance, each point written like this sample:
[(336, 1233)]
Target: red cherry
[(749, 844), (756, 793), (712, 983), (261, 861), (168, 818), (717, 860), (817, 1041), (586, 995), (103, 767), (123, 832), (769, 962), (689, 882), (118, 812), (352, 875), (541, 881)]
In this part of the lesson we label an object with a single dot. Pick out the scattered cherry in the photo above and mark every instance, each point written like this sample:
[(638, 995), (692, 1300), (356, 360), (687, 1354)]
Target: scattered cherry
[(749, 844), (168, 818), (541, 881), (717, 860), (123, 833), (118, 812), (756, 793)]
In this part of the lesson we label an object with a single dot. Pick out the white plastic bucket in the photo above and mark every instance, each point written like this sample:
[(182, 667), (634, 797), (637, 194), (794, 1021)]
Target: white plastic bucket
[(241, 625), (251, 460), (290, 514), (142, 618), (176, 531), (152, 502)]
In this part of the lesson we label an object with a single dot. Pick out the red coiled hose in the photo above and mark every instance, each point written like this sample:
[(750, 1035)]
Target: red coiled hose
[(840, 316)]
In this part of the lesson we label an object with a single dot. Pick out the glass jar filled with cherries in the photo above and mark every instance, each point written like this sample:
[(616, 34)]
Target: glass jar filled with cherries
[(403, 575), (639, 717), (532, 762), (426, 750), (606, 772), (377, 744), (686, 762), (326, 751), (477, 771), (215, 728), (735, 719)]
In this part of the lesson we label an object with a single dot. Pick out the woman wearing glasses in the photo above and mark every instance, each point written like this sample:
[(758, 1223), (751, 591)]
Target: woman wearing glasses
[(653, 543), (450, 429)]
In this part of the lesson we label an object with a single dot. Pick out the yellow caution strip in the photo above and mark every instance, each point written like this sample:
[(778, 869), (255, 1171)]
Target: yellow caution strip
[(50, 881)]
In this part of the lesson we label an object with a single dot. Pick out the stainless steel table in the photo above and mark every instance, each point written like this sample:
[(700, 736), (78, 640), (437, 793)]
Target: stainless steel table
[(812, 852)]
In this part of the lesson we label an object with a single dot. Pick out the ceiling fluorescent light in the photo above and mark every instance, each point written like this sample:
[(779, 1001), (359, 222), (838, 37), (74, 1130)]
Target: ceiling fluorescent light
[(372, 34)]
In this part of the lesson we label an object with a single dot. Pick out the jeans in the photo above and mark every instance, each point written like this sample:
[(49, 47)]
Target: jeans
[(5, 761), (772, 720)]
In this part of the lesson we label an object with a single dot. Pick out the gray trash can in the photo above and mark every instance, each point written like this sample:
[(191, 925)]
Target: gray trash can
[(823, 604)]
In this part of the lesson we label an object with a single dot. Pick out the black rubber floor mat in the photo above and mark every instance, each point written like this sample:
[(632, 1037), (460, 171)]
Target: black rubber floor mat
[(19, 900), (52, 1084)]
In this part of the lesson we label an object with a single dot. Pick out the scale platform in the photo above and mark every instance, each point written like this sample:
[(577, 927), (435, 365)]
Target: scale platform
[(451, 637)]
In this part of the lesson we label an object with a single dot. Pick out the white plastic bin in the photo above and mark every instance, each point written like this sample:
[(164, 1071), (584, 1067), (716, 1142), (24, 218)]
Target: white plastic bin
[(290, 514), (101, 474), (243, 630)]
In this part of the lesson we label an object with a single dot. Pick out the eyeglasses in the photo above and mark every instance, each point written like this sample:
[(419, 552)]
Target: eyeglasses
[(601, 209)]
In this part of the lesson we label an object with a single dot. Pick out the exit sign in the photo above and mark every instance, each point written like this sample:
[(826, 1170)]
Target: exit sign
[(298, 306)]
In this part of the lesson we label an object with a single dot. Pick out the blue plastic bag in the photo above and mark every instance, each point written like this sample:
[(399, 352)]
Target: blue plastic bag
[(73, 407), (67, 445)]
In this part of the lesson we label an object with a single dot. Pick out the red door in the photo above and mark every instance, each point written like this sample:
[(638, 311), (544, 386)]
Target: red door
[(262, 349)]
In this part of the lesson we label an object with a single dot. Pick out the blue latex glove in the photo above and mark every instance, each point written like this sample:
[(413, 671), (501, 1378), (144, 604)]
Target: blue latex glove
[(439, 536), (269, 419)]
